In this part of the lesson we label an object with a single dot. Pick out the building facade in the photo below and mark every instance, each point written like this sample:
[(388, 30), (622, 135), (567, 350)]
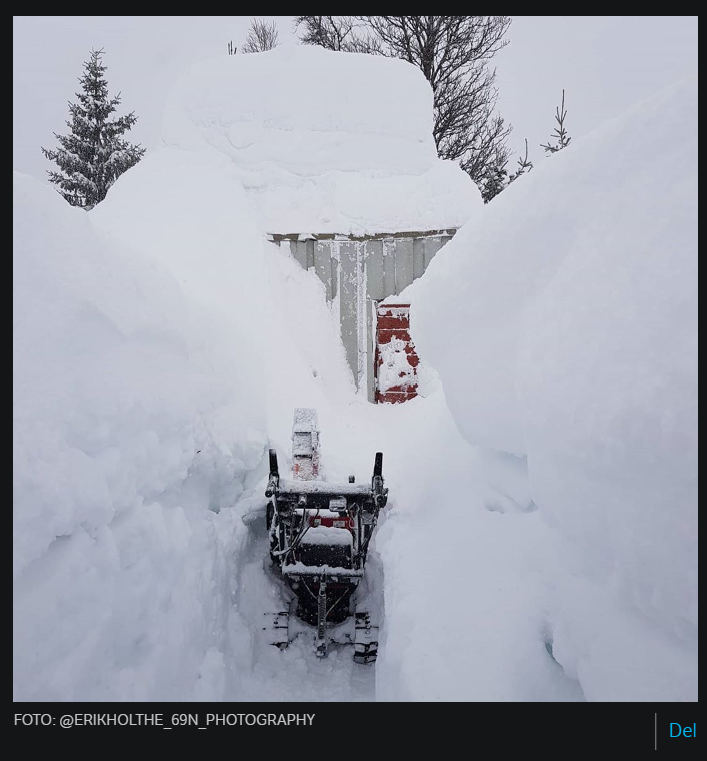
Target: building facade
[(358, 273)]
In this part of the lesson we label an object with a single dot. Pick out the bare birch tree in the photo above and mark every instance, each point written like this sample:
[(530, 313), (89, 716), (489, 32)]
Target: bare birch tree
[(454, 53), (262, 35)]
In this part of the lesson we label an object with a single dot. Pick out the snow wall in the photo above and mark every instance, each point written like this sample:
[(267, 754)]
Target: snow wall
[(574, 301), (152, 369)]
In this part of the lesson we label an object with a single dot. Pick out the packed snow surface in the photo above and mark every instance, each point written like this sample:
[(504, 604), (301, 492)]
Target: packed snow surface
[(323, 141), (574, 302)]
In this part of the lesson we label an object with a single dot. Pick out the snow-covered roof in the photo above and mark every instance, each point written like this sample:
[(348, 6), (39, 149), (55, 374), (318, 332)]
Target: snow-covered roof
[(323, 141)]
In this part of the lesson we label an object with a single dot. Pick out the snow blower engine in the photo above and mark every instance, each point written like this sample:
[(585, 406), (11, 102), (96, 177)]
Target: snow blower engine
[(319, 535)]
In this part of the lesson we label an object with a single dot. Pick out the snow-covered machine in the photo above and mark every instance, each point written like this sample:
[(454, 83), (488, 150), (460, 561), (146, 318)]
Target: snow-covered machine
[(319, 536)]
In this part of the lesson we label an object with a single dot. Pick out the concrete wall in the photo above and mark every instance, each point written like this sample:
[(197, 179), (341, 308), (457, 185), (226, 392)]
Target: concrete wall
[(357, 273)]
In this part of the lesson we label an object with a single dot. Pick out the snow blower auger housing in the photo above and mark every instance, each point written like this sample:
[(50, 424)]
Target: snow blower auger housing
[(319, 536)]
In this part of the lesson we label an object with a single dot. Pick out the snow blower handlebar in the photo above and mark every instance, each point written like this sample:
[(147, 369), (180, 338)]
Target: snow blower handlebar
[(274, 479), (380, 494)]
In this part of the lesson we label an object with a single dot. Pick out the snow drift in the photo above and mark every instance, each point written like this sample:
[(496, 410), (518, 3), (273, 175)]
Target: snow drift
[(153, 367), (126, 432), (574, 299), (323, 141)]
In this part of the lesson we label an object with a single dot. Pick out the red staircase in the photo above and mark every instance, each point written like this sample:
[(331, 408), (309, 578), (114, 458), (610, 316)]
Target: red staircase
[(396, 360)]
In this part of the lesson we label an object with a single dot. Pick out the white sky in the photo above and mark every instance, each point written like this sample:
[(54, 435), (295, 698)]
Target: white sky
[(605, 64)]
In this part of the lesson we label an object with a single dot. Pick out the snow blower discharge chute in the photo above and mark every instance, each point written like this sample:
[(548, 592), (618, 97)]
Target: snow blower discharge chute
[(319, 535)]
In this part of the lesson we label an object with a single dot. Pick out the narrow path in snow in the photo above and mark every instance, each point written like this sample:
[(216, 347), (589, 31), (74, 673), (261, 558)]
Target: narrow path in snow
[(294, 674), (466, 592)]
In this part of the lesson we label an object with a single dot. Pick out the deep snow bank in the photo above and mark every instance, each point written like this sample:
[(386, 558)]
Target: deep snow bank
[(188, 211), (126, 431), (158, 351), (323, 141), (574, 301)]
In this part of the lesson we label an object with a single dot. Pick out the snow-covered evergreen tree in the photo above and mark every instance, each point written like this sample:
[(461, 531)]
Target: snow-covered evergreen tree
[(94, 154)]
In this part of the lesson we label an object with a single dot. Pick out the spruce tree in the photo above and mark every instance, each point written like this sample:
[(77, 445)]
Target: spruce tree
[(94, 154), (562, 139), (496, 177), (524, 165)]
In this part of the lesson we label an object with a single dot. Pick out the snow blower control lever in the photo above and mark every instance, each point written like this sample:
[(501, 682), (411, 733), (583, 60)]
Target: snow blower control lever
[(274, 480)]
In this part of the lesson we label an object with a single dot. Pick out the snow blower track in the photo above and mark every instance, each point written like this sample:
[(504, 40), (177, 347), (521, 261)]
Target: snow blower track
[(296, 673)]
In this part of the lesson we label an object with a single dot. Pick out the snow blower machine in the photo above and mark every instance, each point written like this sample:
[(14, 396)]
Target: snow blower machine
[(319, 535)]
